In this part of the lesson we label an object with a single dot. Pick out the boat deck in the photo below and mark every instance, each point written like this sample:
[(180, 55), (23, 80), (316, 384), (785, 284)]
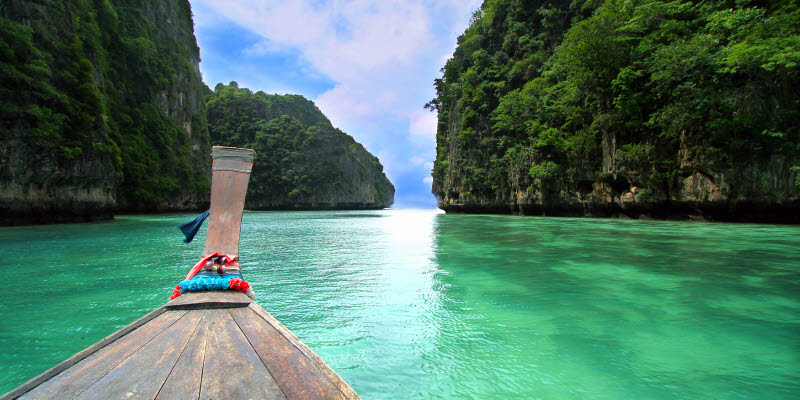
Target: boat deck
[(211, 345)]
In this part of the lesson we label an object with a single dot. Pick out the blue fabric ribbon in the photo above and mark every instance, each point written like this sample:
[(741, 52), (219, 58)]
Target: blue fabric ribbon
[(206, 283), (190, 229)]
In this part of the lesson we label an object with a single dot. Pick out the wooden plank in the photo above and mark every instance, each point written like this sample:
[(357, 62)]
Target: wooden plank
[(227, 203), (232, 369), (142, 374), (78, 377), (296, 374), (313, 357), (203, 300), (184, 381), (230, 174), (50, 373)]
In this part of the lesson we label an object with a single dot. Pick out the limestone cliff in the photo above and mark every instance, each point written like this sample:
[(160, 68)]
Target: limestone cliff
[(101, 110), (104, 111), (663, 109), (331, 172), (759, 190), (303, 162)]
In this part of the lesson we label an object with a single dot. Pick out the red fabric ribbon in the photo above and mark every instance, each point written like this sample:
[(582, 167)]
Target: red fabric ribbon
[(233, 284), (175, 292), (197, 267), (238, 284)]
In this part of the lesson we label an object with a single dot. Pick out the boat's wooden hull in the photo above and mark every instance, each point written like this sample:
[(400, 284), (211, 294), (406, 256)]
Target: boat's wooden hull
[(208, 345)]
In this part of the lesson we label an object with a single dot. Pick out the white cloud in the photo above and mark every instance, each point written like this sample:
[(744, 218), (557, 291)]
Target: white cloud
[(340, 38), (382, 56), (343, 104), (416, 160), (263, 47), (423, 123), (386, 50), (428, 180)]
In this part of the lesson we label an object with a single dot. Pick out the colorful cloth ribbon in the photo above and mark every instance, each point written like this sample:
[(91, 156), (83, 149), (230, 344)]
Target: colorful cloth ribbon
[(205, 283), (196, 284)]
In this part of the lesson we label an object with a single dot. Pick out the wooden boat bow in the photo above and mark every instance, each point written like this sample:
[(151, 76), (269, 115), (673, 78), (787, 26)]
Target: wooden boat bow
[(230, 174), (201, 345)]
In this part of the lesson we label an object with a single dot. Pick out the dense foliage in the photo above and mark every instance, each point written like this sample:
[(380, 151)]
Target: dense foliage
[(102, 108), (571, 95), (302, 161), (92, 79)]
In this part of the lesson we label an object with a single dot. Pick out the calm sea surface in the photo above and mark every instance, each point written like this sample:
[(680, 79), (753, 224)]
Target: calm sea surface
[(416, 304)]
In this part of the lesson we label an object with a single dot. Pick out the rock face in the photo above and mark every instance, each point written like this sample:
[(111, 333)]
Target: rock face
[(333, 173), (303, 162), (36, 188), (765, 192), (179, 158), (596, 108), (102, 110)]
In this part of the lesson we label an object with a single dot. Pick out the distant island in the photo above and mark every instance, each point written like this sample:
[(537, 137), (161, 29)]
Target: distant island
[(104, 111), (304, 163), (674, 110)]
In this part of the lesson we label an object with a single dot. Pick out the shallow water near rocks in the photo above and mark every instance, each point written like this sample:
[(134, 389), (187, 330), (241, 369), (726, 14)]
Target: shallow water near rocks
[(419, 304)]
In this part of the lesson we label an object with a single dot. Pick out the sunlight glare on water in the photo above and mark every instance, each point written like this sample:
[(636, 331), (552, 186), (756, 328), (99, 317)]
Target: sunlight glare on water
[(419, 304)]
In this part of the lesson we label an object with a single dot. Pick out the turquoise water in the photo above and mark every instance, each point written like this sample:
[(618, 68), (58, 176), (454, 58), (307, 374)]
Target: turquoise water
[(416, 304)]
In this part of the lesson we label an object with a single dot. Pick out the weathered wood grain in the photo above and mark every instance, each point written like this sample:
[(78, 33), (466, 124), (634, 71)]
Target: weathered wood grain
[(295, 373), (142, 374), (206, 300), (50, 373), (78, 377), (230, 174), (232, 353), (186, 376), (232, 369), (209, 345), (315, 359)]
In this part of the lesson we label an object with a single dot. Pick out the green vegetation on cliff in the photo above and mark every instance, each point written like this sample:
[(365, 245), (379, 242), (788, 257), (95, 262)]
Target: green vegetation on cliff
[(570, 104), (302, 161), (104, 94), (102, 109)]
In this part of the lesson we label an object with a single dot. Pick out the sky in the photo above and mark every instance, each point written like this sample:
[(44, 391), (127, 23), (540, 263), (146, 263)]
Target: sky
[(368, 65)]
